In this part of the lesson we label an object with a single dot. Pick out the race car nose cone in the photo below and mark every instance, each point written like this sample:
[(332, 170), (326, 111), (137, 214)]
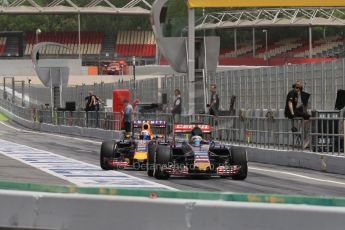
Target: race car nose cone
[(140, 156)]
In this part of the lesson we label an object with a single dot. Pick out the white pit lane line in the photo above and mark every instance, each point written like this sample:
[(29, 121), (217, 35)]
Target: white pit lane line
[(297, 175), (49, 134), (77, 172)]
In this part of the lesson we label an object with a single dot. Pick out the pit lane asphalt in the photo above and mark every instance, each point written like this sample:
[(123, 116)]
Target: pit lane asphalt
[(262, 178)]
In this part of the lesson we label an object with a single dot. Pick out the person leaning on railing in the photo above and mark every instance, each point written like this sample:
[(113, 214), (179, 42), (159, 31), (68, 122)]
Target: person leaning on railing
[(296, 106), (92, 105), (297, 102)]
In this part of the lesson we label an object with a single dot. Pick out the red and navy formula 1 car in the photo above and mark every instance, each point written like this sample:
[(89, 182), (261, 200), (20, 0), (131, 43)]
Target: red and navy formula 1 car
[(193, 153), (132, 152)]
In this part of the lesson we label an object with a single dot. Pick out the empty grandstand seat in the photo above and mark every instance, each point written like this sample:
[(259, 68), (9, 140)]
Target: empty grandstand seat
[(135, 43), (90, 42)]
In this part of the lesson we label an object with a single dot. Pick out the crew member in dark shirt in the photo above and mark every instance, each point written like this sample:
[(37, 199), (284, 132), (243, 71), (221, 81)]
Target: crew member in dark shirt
[(297, 102), (177, 109), (296, 106), (214, 103)]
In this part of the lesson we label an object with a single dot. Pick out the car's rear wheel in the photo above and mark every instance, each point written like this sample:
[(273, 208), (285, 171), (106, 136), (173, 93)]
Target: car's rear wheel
[(239, 157), (107, 150), (150, 158), (161, 160)]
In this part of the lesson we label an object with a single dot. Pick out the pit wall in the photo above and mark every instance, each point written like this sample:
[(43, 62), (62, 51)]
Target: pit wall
[(102, 208)]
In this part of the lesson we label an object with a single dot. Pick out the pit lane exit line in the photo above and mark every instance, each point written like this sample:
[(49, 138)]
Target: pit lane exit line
[(77, 172), (296, 175)]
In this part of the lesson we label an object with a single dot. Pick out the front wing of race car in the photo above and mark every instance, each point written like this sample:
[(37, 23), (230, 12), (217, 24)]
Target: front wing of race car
[(222, 171), (187, 160)]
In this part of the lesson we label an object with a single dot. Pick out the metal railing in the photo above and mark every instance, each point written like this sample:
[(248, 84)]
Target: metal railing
[(324, 135), (91, 119), (327, 135), (259, 88)]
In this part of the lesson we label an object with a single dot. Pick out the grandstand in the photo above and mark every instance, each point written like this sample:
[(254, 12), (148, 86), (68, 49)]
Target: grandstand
[(135, 43), (288, 47), (141, 43), (91, 42), (97, 47), (125, 44)]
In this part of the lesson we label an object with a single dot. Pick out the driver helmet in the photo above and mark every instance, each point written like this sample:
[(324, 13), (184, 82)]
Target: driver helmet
[(145, 134), (196, 140)]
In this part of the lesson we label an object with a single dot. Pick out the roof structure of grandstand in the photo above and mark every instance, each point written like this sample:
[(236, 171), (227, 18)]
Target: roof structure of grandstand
[(273, 18), (69, 7), (280, 17), (123, 44)]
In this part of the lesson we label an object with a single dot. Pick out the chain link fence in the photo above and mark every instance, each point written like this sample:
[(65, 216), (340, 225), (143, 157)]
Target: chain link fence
[(266, 88), (255, 89)]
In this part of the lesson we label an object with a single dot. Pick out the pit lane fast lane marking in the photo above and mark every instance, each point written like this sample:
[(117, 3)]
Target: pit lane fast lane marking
[(297, 175), (77, 172), (49, 134)]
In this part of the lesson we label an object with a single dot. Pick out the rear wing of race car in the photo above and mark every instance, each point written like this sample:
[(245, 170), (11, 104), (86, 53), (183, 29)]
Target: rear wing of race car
[(178, 128), (153, 124), (156, 127), (187, 130)]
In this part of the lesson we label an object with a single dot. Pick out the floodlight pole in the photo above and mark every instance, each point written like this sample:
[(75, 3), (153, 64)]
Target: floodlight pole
[(253, 42), (266, 46), (310, 42), (79, 51), (191, 60), (38, 31), (235, 41), (29, 81), (134, 87)]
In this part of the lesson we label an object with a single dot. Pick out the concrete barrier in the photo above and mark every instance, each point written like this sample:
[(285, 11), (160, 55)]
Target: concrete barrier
[(79, 211), (68, 130), (300, 159), (50, 128)]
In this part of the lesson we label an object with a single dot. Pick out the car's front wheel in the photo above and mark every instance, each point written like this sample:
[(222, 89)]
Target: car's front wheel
[(239, 157), (162, 159), (107, 150)]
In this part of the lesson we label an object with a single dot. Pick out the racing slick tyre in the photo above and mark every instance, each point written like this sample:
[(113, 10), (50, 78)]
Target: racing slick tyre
[(107, 149), (239, 157), (162, 159), (150, 158)]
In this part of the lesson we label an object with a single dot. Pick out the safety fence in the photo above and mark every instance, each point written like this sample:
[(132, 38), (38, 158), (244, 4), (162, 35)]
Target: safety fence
[(324, 134), (266, 88), (259, 88), (146, 90)]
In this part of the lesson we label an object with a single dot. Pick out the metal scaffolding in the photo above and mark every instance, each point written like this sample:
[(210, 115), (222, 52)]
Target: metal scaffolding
[(142, 7)]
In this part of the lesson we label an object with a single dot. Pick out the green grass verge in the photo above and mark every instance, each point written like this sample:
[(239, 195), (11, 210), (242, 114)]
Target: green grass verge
[(3, 117), (156, 193)]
